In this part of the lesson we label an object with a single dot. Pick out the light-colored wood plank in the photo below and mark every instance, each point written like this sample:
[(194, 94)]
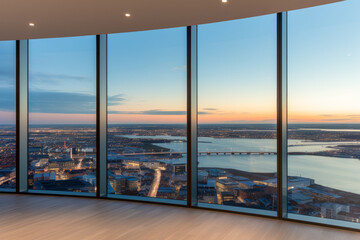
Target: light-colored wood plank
[(66, 218)]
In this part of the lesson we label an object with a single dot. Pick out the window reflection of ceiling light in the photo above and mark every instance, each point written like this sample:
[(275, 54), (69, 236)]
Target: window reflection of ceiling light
[(32, 24), (127, 15)]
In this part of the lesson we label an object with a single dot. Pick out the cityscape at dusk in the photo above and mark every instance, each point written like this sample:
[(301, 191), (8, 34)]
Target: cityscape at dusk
[(237, 133), (150, 161), (180, 120)]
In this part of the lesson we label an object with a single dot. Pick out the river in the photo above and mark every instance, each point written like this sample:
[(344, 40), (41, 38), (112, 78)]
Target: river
[(339, 173)]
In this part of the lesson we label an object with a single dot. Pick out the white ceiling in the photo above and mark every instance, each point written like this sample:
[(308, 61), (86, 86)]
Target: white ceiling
[(61, 18)]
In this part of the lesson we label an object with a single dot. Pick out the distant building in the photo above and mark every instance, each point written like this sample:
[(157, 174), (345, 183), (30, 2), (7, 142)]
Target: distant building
[(132, 165), (264, 202), (75, 173), (226, 185), (179, 168), (331, 210), (90, 179), (207, 195), (210, 184), (122, 184), (203, 176), (227, 196), (41, 163), (300, 198), (319, 194), (247, 184), (44, 176), (254, 193), (60, 164), (214, 172), (166, 192), (294, 182)]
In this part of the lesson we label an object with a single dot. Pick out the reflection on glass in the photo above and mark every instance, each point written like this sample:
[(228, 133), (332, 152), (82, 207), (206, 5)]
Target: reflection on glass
[(7, 115), (324, 130), (62, 106), (147, 114), (237, 113)]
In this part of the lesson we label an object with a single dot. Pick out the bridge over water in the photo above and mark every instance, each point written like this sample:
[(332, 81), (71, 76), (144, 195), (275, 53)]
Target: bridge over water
[(200, 153)]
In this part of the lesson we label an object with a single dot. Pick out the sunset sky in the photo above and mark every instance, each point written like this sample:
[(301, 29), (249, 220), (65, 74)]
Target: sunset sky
[(147, 74), (237, 73)]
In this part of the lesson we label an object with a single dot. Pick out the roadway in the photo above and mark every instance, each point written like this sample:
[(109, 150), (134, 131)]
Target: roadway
[(156, 183)]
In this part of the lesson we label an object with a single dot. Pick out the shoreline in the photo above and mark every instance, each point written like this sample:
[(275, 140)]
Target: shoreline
[(346, 197)]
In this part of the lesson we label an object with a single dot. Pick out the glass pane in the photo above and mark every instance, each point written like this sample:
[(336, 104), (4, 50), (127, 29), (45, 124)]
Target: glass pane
[(237, 113), (147, 114), (7, 115), (62, 106), (324, 111)]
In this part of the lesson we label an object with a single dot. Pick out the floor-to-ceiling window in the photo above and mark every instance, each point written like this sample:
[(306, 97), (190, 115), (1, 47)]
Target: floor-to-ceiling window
[(147, 132), (324, 112), (237, 113), (7, 115), (147, 114), (62, 107)]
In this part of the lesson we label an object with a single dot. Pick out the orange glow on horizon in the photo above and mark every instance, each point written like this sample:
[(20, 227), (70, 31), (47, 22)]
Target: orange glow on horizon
[(141, 118), (224, 118), (238, 118), (7, 117), (324, 118), (61, 118)]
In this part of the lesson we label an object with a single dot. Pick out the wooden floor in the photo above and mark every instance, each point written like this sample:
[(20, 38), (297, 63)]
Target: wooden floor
[(50, 217)]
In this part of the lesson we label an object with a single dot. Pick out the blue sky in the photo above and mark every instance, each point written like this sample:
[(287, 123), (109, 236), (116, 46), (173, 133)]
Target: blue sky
[(62, 80), (237, 72), (7, 82), (148, 70), (324, 60)]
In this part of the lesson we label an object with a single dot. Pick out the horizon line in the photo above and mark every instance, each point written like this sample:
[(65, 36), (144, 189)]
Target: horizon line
[(304, 123)]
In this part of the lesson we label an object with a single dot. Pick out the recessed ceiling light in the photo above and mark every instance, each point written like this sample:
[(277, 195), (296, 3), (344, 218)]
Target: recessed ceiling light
[(224, 1), (32, 24), (127, 15)]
